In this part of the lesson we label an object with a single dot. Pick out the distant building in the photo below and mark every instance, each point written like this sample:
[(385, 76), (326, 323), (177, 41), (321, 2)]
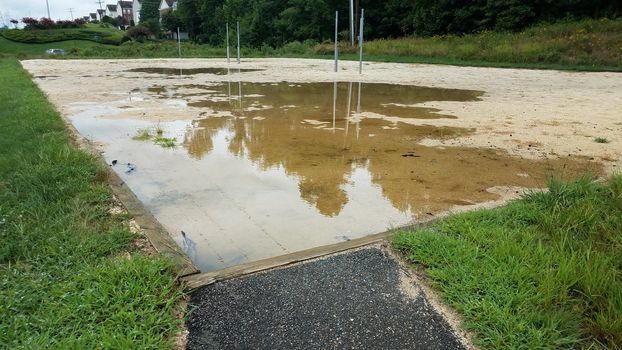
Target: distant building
[(111, 11), (125, 10), (167, 6), (101, 13), (136, 5), (93, 16), (86, 18)]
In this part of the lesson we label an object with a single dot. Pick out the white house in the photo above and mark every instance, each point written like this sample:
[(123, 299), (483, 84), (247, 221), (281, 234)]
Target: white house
[(167, 6), (125, 10), (136, 10), (111, 11)]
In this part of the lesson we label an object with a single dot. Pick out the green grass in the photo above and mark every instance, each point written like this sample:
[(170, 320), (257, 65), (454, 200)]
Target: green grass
[(583, 45), (23, 51), (157, 135), (544, 272), (91, 32), (166, 142), (601, 140), (65, 280)]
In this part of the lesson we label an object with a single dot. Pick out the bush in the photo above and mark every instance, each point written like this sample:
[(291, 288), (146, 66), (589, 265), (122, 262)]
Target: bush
[(138, 33)]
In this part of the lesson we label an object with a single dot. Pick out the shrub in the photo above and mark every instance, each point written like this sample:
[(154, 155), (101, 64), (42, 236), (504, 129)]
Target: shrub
[(138, 33)]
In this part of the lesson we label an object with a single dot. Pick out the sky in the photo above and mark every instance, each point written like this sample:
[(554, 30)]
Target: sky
[(59, 9)]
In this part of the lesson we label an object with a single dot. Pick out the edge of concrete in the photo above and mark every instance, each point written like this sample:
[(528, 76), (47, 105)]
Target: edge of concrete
[(157, 235)]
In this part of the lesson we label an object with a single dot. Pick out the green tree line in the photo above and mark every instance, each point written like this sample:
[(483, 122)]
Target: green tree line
[(276, 22)]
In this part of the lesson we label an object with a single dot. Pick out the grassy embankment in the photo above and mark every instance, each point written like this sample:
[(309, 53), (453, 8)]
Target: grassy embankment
[(544, 272), (585, 45), (66, 280), (91, 32)]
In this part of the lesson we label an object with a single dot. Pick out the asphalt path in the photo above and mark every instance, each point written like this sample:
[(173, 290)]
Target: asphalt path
[(356, 300)]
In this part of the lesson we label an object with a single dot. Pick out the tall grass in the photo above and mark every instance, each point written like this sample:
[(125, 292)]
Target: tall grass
[(584, 43), (65, 280), (545, 272)]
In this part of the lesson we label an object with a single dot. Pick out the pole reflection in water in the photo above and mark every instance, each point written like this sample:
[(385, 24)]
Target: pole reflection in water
[(334, 104), (240, 94), (358, 112), (348, 111), (229, 84)]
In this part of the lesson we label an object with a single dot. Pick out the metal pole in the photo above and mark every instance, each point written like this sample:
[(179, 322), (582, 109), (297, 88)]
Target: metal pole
[(351, 22), (47, 3), (228, 53), (71, 12), (336, 42), (361, 42), (178, 43), (238, 42)]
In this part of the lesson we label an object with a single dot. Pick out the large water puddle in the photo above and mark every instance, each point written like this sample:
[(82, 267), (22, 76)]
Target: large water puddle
[(272, 168)]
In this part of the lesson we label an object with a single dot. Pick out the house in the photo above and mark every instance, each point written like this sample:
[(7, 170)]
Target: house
[(136, 9), (101, 13), (167, 6), (125, 10), (93, 16), (86, 18), (111, 11)]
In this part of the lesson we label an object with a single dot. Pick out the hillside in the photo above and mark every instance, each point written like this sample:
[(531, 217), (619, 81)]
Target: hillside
[(91, 32)]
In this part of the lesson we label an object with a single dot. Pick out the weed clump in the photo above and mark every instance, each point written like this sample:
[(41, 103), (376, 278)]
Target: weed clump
[(157, 136)]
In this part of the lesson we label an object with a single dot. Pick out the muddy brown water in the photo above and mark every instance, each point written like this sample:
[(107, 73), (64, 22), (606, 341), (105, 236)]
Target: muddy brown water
[(296, 132), (272, 168)]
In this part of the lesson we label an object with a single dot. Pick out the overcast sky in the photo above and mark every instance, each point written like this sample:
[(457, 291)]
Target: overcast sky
[(59, 9)]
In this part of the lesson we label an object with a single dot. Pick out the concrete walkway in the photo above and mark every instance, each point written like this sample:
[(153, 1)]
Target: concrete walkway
[(357, 300)]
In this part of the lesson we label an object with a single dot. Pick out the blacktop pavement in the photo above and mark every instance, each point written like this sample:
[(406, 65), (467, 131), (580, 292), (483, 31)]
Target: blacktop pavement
[(360, 299)]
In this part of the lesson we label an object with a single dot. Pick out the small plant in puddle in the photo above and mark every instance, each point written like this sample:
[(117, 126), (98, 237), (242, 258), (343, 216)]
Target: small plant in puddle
[(159, 131), (166, 142), (156, 135), (142, 135), (601, 140)]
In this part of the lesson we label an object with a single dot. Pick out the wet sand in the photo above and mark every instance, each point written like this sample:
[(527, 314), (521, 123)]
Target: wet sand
[(279, 157)]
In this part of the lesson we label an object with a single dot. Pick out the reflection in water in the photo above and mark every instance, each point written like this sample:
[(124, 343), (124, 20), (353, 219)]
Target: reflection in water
[(292, 127)]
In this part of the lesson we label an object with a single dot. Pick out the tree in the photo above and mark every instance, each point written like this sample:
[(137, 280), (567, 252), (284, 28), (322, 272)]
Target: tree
[(171, 21), (150, 10), (153, 25)]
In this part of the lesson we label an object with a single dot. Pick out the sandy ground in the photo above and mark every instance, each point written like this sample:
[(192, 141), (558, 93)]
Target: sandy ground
[(246, 187), (557, 113)]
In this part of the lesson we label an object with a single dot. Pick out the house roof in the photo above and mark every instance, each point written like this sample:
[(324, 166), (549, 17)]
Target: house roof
[(100, 11), (93, 15), (125, 4), (112, 8), (170, 3)]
